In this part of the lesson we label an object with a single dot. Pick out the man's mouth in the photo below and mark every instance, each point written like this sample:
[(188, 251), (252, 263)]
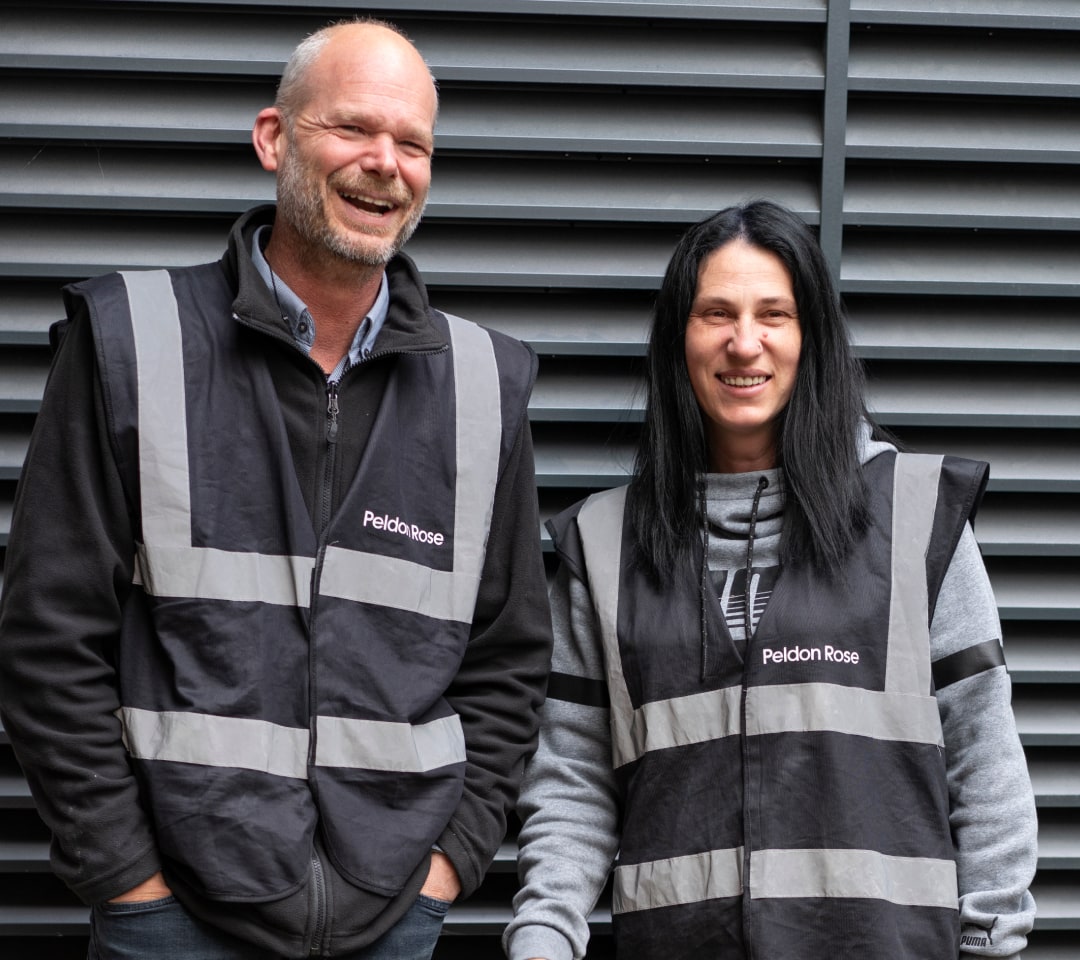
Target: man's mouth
[(373, 205), (743, 381)]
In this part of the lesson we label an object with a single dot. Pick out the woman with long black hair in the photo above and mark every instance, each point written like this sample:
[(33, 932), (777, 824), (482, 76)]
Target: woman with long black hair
[(778, 693)]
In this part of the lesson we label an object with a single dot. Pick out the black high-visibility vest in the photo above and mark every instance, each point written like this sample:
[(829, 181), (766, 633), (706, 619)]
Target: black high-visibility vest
[(792, 804), (270, 680)]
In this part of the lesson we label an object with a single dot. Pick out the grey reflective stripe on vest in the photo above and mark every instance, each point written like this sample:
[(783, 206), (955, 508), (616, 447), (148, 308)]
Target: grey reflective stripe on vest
[(915, 489), (167, 564), (215, 741), (778, 708), (401, 584), (396, 747), (696, 718), (600, 523), (212, 741), (866, 874), (831, 708), (667, 883), (815, 874)]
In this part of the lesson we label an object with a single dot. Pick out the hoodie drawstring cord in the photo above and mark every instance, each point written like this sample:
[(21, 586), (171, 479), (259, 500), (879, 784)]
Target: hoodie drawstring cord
[(763, 482), (748, 612)]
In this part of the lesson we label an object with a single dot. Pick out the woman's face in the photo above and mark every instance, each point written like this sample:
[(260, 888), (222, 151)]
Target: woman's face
[(742, 353)]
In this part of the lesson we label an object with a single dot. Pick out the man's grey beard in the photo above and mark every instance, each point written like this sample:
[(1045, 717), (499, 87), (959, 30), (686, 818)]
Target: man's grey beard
[(301, 205)]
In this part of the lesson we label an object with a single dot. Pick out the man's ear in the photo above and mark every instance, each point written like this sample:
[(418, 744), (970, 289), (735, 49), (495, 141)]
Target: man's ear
[(268, 137)]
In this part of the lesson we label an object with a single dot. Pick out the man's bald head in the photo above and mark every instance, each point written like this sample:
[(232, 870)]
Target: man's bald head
[(293, 89)]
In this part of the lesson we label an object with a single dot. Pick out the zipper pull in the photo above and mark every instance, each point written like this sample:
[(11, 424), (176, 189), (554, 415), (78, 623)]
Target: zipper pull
[(332, 412)]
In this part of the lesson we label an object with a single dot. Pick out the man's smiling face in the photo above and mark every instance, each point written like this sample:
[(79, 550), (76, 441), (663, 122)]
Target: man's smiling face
[(355, 169)]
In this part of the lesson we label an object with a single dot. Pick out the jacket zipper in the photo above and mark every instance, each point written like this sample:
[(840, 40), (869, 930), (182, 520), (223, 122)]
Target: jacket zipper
[(318, 904), (318, 877), (332, 411)]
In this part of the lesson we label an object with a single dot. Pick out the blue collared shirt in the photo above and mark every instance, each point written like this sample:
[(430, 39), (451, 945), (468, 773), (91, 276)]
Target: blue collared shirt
[(302, 324)]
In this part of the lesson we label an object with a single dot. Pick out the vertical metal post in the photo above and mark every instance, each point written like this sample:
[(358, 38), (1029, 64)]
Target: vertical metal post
[(834, 131)]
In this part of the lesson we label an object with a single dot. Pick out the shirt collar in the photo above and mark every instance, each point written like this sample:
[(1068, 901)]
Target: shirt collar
[(295, 313)]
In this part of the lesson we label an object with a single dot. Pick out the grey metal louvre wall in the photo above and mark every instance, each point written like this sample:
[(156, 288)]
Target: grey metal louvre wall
[(935, 143)]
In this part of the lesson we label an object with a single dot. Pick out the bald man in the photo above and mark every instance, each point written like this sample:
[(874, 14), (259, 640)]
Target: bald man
[(274, 631)]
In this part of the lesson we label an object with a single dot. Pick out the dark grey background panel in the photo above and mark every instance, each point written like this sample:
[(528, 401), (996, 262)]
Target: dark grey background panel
[(937, 154)]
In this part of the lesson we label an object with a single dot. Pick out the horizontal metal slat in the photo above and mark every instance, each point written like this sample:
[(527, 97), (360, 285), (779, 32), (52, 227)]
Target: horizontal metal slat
[(582, 323), (515, 51), (1058, 904), (14, 792), (103, 109), (24, 856), (1014, 197), (968, 328), (960, 262), (975, 394), (27, 309), (799, 11), (1000, 63), (982, 130), (1022, 460), (62, 176), (586, 463), (1056, 781), (150, 178), (1042, 653), (1046, 718), (192, 111), (1059, 841), (1018, 526), (1037, 14), (721, 124), (23, 920), (22, 380), (13, 444), (1035, 591)]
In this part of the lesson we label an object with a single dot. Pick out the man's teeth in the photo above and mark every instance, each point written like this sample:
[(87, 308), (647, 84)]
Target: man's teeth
[(743, 381), (369, 202)]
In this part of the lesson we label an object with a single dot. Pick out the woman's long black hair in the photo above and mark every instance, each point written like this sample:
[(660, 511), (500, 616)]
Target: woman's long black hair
[(825, 501)]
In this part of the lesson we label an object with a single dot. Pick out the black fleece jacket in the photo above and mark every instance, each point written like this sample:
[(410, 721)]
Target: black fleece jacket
[(68, 577)]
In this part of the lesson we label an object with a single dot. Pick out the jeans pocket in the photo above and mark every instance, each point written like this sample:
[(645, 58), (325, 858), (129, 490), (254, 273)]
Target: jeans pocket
[(136, 906), (433, 904)]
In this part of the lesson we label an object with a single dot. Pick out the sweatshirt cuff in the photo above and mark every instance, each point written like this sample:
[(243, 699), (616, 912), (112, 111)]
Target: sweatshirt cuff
[(538, 940)]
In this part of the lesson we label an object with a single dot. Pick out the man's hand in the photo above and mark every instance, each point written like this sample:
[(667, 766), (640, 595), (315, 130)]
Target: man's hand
[(442, 881), (154, 888)]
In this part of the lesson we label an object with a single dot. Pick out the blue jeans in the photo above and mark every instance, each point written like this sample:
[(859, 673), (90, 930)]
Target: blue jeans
[(164, 930)]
